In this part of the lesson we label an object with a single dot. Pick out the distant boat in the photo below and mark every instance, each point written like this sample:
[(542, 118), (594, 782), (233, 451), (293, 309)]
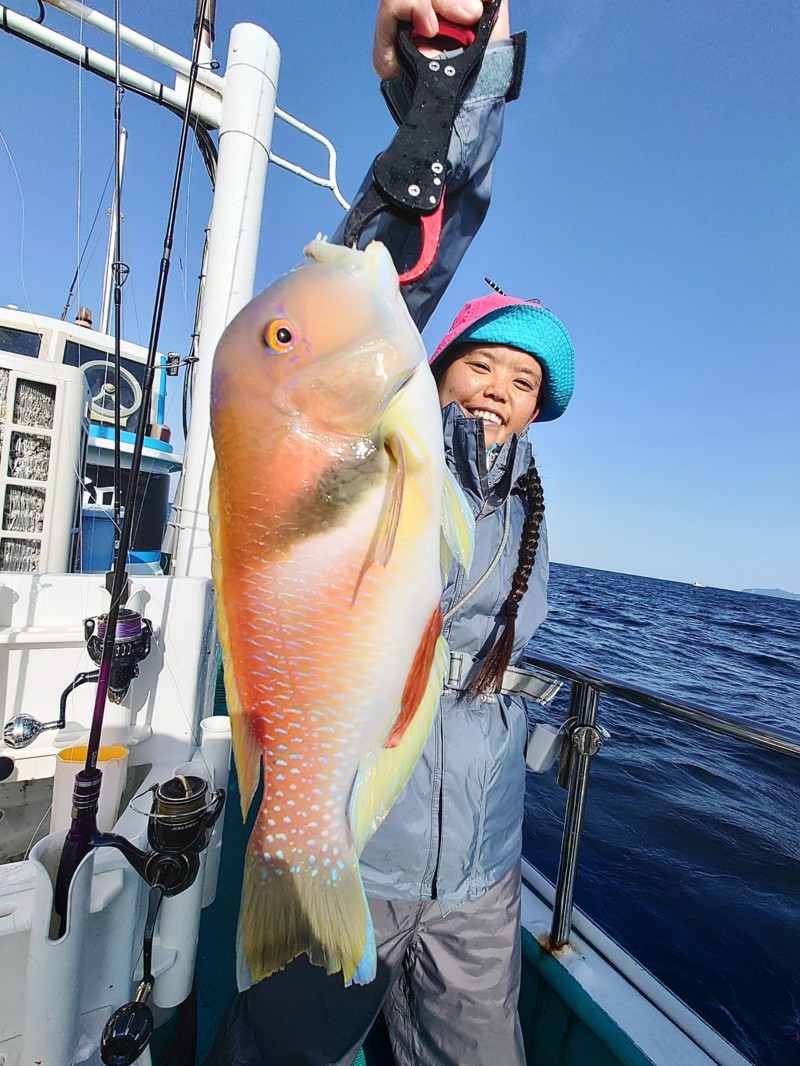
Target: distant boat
[(699, 585)]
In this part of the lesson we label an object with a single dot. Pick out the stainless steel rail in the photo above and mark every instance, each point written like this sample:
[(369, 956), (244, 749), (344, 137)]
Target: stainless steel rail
[(726, 724), (584, 741)]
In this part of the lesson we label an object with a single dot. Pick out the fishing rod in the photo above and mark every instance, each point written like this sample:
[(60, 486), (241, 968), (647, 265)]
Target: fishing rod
[(83, 829), (119, 273)]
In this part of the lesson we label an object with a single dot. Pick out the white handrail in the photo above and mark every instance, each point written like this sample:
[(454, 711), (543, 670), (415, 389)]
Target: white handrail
[(327, 183), (142, 44), (207, 105)]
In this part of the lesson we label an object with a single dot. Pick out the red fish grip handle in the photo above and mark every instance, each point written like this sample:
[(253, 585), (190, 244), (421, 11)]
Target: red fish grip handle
[(408, 178), (452, 31)]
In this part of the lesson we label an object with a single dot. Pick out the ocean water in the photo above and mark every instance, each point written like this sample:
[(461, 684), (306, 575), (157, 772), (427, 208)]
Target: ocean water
[(691, 852)]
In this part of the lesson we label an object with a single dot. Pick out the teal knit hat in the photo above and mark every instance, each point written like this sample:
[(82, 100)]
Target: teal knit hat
[(523, 324)]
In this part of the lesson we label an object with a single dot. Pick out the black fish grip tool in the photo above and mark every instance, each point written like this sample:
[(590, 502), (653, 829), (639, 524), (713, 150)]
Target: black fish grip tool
[(408, 179)]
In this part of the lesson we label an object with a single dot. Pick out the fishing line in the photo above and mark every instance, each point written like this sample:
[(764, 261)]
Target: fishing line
[(135, 311), (191, 360), (78, 473), (80, 161), (71, 292), (22, 223), (36, 830), (185, 265), (490, 569), (88, 781)]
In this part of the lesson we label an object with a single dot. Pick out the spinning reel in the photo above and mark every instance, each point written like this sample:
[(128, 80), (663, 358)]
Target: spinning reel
[(132, 643), (181, 820)]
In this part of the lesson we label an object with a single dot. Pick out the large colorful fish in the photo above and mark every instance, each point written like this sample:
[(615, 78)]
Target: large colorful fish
[(329, 500)]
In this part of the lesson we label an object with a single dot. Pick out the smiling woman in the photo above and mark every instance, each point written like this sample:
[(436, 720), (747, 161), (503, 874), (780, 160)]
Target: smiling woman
[(482, 356), (497, 383)]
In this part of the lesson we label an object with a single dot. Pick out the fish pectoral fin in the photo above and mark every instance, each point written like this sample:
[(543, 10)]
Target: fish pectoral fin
[(246, 750), (380, 549), (385, 770), (289, 910), (392, 504), (458, 525)]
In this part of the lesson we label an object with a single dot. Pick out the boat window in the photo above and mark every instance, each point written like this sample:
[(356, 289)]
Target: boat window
[(20, 341), (98, 366)]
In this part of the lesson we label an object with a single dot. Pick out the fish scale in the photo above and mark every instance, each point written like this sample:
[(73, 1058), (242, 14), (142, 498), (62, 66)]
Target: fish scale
[(327, 539)]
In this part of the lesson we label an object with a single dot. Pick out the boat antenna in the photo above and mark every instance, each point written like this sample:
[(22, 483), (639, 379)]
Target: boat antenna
[(87, 781)]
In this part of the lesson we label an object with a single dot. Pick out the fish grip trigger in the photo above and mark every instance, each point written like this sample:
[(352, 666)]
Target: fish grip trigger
[(408, 178)]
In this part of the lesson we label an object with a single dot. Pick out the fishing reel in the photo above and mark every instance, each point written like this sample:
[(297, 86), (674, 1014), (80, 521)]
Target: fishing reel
[(180, 822), (132, 642), (179, 828)]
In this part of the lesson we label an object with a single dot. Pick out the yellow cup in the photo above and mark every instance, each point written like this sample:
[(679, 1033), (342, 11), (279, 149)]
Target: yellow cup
[(112, 761)]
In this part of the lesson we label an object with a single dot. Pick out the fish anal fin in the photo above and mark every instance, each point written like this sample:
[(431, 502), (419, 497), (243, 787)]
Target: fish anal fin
[(384, 771), (245, 747), (417, 680), (289, 910)]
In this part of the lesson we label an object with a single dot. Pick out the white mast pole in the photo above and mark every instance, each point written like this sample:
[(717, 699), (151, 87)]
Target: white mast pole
[(245, 135)]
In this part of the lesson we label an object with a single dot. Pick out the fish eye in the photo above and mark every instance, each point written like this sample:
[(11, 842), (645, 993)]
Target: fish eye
[(279, 335)]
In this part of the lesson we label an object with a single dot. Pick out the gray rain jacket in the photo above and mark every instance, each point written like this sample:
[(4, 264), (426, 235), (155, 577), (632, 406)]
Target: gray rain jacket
[(456, 828)]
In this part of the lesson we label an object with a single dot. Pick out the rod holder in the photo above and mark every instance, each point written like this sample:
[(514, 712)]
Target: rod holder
[(584, 742)]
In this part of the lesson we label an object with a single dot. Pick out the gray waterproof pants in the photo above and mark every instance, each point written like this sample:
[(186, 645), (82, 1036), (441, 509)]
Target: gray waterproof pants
[(448, 986)]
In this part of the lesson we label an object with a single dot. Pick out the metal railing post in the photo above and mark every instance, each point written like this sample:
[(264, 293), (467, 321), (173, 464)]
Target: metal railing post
[(585, 742)]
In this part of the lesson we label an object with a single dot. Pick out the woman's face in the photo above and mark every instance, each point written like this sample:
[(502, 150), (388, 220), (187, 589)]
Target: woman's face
[(499, 384)]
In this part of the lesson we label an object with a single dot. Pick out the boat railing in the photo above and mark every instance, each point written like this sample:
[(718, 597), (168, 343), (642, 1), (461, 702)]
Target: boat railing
[(584, 739), (207, 100)]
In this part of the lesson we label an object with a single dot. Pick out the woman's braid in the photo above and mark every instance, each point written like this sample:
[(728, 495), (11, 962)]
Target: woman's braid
[(490, 675)]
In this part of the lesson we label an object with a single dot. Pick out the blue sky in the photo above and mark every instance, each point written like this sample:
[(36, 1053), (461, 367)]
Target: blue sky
[(646, 191)]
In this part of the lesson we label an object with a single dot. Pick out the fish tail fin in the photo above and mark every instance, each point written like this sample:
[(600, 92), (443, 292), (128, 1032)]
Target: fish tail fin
[(245, 748), (313, 909)]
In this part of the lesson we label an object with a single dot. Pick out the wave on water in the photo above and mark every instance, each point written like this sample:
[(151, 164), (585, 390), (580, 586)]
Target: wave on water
[(690, 856)]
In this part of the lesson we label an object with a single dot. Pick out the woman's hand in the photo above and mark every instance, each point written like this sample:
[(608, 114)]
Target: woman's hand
[(424, 16)]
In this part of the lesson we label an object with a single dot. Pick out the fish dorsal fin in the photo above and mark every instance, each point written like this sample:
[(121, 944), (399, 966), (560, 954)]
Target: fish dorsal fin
[(385, 770), (245, 749), (458, 525)]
